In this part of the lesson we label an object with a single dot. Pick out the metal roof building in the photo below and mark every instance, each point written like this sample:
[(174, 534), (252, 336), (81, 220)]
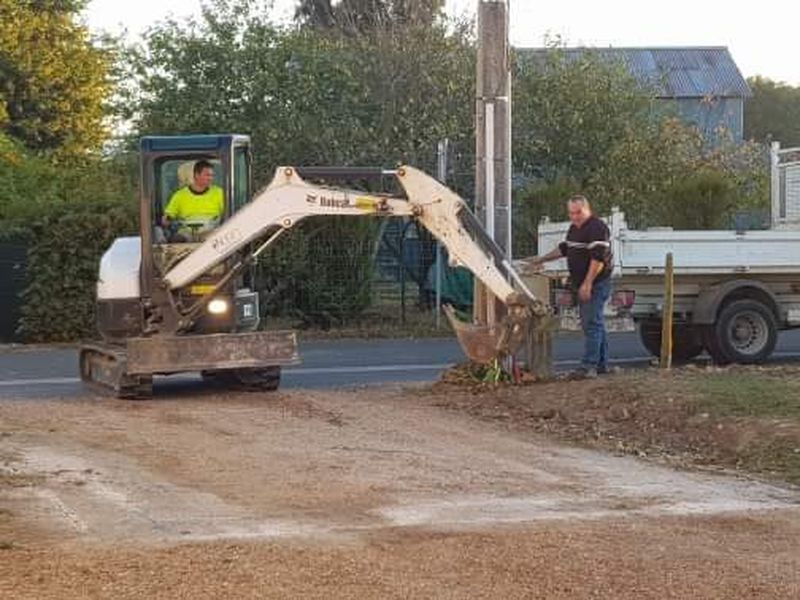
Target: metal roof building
[(703, 83)]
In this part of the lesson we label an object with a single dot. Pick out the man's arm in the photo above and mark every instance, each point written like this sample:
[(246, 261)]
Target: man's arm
[(533, 264), (171, 210), (597, 256), (554, 254)]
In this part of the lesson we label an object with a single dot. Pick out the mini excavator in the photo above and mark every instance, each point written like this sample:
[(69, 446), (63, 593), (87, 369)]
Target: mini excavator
[(192, 306)]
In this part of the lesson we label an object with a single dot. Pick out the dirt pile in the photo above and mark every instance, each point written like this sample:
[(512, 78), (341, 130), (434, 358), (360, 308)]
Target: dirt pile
[(741, 418)]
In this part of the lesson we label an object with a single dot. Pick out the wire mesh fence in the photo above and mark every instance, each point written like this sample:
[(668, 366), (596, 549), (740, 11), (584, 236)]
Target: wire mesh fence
[(368, 277)]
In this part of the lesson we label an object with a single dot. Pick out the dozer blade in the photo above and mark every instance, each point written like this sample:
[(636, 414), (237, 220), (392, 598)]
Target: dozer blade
[(485, 343)]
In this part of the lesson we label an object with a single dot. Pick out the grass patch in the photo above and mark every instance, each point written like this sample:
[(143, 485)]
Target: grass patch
[(776, 457), (748, 394)]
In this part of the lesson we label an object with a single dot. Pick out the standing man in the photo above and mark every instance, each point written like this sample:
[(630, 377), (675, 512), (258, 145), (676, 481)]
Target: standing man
[(588, 252)]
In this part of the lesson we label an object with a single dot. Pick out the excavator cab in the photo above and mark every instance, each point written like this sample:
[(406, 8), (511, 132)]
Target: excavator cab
[(167, 165)]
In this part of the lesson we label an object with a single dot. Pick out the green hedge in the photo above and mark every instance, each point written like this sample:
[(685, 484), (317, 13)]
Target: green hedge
[(67, 214), (320, 274), (63, 257)]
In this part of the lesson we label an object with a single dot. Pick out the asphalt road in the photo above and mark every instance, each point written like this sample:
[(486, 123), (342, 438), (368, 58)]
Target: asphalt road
[(52, 372)]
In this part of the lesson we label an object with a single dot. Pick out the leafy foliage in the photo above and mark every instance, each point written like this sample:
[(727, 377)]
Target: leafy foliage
[(305, 97), (68, 216), (53, 80), (367, 15), (773, 113), (321, 273), (584, 125), (309, 97), (59, 300), (703, 200), (570, 113)]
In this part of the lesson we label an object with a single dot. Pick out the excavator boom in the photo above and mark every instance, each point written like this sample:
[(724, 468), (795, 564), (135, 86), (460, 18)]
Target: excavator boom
[(288, 199)]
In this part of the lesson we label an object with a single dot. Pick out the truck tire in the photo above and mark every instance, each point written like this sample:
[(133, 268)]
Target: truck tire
[(686, 340), (745, 332)]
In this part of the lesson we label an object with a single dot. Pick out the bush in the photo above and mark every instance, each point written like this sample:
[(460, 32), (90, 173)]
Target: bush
[(65, 249), (704, 200), (67, 215)]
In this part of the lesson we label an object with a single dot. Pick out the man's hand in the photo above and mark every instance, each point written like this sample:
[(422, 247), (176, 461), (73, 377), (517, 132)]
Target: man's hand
[(585, 291), (528, 266)]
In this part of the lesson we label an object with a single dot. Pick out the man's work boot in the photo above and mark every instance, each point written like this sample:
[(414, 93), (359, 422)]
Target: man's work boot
[(609, 370), (583, 373)]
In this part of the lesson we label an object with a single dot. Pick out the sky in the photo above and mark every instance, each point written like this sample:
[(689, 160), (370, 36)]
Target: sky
[(762, 42)]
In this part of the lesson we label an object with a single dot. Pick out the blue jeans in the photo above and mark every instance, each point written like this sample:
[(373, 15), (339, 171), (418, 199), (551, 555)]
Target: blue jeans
[(595, 355)]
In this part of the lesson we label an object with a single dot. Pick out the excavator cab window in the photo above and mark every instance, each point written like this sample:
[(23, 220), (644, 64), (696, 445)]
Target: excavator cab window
[(241, 177), (172, 175)]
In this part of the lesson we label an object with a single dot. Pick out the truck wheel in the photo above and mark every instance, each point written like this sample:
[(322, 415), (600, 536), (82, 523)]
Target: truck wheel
[(745, 332), (686, 341)]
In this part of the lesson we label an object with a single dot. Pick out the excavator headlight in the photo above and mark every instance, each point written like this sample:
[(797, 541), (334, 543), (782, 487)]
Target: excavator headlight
[(218, 306)]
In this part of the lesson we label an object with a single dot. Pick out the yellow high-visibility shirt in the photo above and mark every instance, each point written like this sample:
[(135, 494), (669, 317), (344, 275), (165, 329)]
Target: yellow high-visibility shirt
[(187, 204)]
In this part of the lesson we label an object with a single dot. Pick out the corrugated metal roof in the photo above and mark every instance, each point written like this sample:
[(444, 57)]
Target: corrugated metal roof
[(673, 72)]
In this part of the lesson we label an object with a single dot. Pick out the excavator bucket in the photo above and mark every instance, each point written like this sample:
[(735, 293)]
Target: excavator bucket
[(485, 343)]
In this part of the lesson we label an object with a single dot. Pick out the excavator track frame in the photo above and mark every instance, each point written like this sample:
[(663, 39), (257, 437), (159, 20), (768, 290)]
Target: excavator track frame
[(244, 361), (105, 367)]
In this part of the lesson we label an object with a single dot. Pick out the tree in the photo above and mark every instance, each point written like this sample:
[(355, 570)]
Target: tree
[(583, 124), (308, 97), (367, 15), (570, 111), (53, 80), (773, 113)]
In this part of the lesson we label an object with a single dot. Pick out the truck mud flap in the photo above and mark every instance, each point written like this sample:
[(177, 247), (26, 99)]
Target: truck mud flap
[(177, 354)]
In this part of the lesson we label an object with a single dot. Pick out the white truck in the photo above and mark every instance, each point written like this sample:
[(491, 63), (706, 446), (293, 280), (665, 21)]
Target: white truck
[(733, 290)]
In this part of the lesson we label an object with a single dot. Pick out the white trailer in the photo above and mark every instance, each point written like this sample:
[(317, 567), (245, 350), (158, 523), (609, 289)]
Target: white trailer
[(734, 290)]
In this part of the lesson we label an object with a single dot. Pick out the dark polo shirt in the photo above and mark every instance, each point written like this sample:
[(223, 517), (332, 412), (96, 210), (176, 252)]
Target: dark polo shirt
[(590, 241)]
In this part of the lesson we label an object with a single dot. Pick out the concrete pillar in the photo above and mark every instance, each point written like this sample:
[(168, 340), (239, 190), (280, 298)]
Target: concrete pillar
[(493, 135)]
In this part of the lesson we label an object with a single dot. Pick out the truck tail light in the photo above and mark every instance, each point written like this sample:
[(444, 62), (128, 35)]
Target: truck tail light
[(623, 298)]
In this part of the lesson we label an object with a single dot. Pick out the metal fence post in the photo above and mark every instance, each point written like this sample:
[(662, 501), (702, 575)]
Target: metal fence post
[(775, 185), (666, 317), (441, 174)]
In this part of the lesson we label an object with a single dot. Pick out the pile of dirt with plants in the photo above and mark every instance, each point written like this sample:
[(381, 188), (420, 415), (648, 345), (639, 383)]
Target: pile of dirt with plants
[(476, 375), (741, 418)]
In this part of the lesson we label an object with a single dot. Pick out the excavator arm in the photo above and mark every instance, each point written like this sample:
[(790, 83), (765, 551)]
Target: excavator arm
[(288, 199)]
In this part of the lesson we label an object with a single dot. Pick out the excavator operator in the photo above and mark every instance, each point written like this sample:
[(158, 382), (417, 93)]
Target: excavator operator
[(195, 209)]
